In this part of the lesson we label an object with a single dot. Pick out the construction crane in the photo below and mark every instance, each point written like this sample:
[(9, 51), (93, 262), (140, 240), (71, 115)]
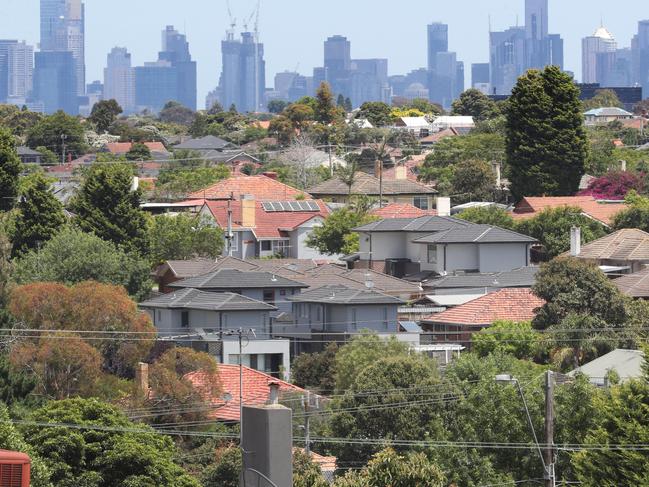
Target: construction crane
[(233, 21)]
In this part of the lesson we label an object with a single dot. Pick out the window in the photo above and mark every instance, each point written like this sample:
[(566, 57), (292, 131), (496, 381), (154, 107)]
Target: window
[(184, 319), (385, 317), (269, 296), (254, 362), (354, 320), (281, 247), (319, 313), (158, 314), (266, 246), (432, 254), (421, 202)]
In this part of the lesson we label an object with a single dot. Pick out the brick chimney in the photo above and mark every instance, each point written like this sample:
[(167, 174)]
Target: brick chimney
[(142, 378), (270, 174), (248, 210), (444, 206)]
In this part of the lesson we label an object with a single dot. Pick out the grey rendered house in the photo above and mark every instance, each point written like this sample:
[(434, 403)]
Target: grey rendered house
[(200, 319), (333, 313), (261, 286), (440, 245)]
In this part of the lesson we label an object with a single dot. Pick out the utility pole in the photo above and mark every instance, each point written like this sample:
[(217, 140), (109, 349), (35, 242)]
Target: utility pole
[(549, 429), (63, 137), (307, 423), (228, 236)]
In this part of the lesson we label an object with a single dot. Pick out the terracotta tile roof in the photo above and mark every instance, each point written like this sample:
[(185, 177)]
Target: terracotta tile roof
[(635, 285), (598, 210), (124, 147), (436, 137), (256, 390), (627, 244), (273, 224), (326, 464), (513, 304), (401, 210), (261, 187)]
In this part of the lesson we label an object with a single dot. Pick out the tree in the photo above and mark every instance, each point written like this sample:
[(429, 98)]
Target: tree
[(361, 352), (40, 216), (334, 235), (89, 307), (476, 104), (603, 99), (636, 215), (178, 183), (282, 127), (425, 106), (16, 386), (517, 339), (183, 237), (107, 206), (546, 140), (387, 468), (315, 371), (473, 180), (138, 152), (72, 256), (225, 471), (326, 111), (615, 185), (299, 114), (18, 121), (277, 106), (10, 167), (488, 215), (174, 112), (102, 452), (552, 227), (53, 131), (361, 412), (377, 113), (49, 158), (622, 420), (104, 113), (573, 286)]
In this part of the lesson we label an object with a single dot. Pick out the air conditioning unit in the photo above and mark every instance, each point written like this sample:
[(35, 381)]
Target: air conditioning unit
[(14, 469)]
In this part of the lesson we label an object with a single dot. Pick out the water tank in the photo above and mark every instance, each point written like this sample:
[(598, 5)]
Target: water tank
[(14, 469)]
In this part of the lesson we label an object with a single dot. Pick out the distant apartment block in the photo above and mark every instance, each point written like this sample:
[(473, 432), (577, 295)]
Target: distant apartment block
[(16, 71), (119, 79)]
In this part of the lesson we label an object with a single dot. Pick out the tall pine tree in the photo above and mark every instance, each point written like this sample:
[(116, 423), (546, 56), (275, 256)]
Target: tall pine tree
[(40, 216), (9, 170), (326, 111), (107, 206), (546, 139)]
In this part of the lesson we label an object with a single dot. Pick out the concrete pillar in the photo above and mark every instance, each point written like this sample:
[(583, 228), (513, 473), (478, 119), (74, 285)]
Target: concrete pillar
[(575, 241)]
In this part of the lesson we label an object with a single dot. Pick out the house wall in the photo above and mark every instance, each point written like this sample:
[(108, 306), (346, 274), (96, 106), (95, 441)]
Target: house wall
[(170, 320), (262, 350), (503, 257), (459, 257), (299, 248)]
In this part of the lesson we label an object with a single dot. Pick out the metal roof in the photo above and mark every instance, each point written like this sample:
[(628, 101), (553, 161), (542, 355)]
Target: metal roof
[(196, 299), (626, 363)]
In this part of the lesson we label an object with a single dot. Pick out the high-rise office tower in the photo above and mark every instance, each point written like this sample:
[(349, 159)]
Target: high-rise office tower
[(119, 79), (243, 79), (63, 29), (171, 78), (337, 64), (536, 19), (598, 53), (16, 71), (55, 81), (437, 42), (369, 81), (641, 56)]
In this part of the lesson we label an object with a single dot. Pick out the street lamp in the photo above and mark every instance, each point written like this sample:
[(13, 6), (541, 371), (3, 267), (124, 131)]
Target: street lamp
[(547, 459)]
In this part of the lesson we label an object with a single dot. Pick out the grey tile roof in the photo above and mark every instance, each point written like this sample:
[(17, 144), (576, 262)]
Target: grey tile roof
[(476, 234), (208, 142), (627, 244), (190, 268), (635, 285), (369, 185), (236, 279), (196, 299), (523, 277), (344, 295), (26, 151), (421, 224)]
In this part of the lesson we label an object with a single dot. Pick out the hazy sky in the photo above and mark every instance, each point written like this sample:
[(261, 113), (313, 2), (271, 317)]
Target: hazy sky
[(293, 30)]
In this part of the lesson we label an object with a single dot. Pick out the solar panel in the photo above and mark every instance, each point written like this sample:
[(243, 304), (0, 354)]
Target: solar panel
[(295, 205), (290, 206)]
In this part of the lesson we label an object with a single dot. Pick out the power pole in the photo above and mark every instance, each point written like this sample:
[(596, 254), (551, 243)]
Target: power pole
[(307, 423), (63, 137), (549, 430)]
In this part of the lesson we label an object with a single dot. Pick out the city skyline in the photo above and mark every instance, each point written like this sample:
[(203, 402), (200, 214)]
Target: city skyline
[(140, 32)]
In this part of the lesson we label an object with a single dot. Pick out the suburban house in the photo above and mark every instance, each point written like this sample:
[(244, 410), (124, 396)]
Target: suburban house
[(449, 122), (605, 115), (333, 313), (418, 126), (400, 190), (401, 210), (29, 156), (158, 150), (260, 286), (601, 211), (625, 364), (207, 146), (623, 252), (270, 228), (479, 283), (439, 245), (175, 270), (634, 285), (458, 324), (261, 188), (200, 319)]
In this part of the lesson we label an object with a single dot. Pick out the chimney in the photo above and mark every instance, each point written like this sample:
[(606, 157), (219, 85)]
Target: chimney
[(498, 172), (248, 209), (444, 206), (135, 184), (575, 241), (142, 378), (623, 166), (401, 172), (270, 175), (274, 393)]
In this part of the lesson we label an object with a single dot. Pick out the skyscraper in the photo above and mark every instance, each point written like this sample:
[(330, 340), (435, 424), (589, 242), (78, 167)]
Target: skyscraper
[(16, 71), (536, 19), (63, 29), (243, 79), (597, 56), (437, 42), (175, 49), (338, 64), (55, 81), (119, 79), (641, 55)]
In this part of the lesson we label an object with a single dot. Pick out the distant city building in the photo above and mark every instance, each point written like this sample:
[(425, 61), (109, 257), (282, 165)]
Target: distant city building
[(640, 55), (598, 54), (479, 74), (16, 71), (445, 73), (94, 94), (437, 42), (63, 29), (55, 81), (243, 79), (283, 83), (171, 78), (119, 79)]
